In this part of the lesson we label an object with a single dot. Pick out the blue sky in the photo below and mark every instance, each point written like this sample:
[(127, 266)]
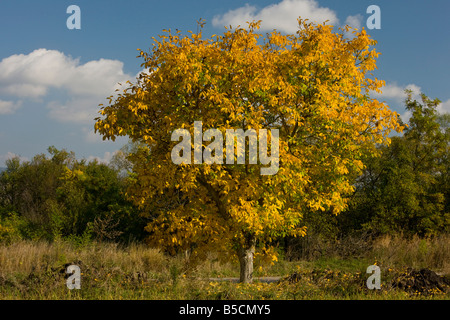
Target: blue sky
[(52, 78)]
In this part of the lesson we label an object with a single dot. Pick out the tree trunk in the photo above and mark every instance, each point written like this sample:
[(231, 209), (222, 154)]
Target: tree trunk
[(245, 254)]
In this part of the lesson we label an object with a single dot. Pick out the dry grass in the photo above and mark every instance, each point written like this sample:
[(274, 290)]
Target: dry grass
[(431, 253), (36, 270), (27, 256)]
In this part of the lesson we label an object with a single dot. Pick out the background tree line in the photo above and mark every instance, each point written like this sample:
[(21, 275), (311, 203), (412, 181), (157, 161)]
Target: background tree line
[(60, 197), (404, 190)]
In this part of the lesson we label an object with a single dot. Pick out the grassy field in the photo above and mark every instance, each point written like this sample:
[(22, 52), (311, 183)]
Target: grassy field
[(36, 270)]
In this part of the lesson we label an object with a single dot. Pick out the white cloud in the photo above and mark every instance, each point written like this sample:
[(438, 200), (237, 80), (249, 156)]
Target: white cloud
[(24, 90), (391, 91), (36, 71), (416, 91), (43, 69), (90, 136), (85, 85), (281, 16), (397, 93), (9, 107), (10, 155), (355, 21), (444, 107), (105, 159), (80, 110), (143, 72), (97, 78)]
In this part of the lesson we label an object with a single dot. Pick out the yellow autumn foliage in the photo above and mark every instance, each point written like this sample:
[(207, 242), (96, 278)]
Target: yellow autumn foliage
[(313, 86)]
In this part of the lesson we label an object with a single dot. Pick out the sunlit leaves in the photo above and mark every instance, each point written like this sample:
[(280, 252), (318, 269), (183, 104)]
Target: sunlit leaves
[(314, 86)]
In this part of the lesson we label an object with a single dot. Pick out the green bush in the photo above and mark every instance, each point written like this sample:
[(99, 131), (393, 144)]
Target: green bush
[(12, 227)]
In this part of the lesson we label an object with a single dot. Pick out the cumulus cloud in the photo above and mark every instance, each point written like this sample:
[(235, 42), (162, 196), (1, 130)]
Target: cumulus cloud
[(23, 90), (107, 156), (43, 69), (396, 92), (444, 107), (90, 136), (355, 21), (10, 155), (78, 109), (31, 76), (281, 16), (9, 107)]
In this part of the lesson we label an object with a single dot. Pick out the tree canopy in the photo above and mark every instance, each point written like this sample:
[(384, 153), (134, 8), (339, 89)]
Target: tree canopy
[(312, 86)]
